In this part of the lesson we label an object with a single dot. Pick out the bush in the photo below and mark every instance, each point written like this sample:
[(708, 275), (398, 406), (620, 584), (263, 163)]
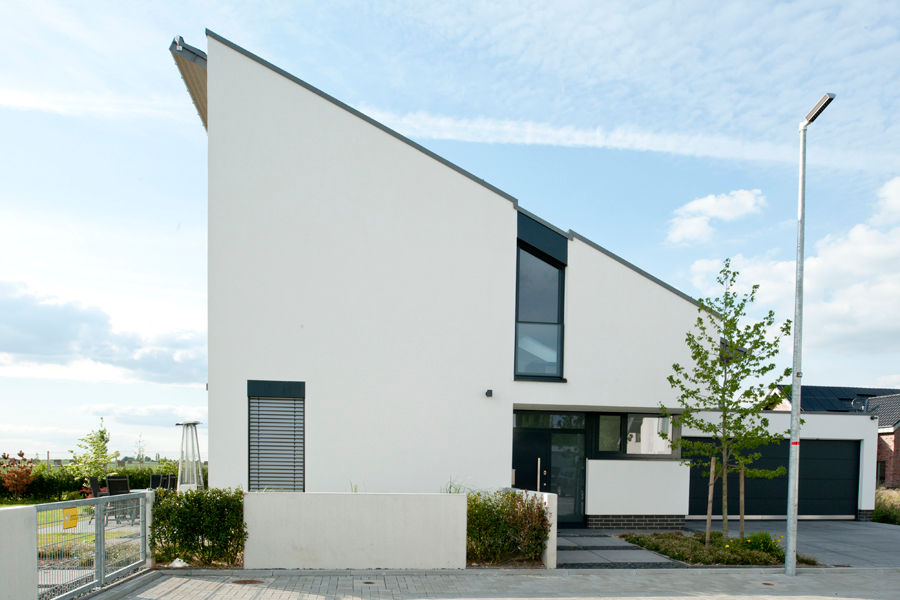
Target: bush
[(505, 525), (201, 526), (887, 507)]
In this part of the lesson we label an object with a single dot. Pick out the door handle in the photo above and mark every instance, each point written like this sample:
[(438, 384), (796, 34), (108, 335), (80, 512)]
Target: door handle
[(538, 488)]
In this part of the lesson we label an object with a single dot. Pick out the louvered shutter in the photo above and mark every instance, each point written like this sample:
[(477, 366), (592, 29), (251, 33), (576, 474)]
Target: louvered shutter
[(276, 444)]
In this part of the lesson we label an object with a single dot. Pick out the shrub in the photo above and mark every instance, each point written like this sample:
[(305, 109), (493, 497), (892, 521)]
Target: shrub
[(764, 542), (505, 525), (16, 473), (887, 507), (199, 526)]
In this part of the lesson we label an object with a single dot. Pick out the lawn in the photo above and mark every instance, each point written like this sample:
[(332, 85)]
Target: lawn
[(759, 549)]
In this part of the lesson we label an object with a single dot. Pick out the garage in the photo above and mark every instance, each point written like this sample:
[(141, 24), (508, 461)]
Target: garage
[(829, 482)]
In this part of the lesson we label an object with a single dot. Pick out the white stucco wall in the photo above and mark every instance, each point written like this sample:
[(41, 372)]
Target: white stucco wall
[(347, 531), (636, 487), (347, 259), (834, 426), (18, 553)]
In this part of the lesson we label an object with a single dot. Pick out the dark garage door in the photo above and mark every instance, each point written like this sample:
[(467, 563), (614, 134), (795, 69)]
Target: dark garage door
[(829, 482)]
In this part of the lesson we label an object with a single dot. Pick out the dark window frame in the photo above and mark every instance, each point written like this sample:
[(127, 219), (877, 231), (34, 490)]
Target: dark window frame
[(591, 437), (561, 309)]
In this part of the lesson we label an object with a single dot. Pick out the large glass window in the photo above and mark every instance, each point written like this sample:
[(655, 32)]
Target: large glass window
[(539, 311), (633, 433)]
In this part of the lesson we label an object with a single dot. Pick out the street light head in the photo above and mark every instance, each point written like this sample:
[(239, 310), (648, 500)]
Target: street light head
[(819, 107)]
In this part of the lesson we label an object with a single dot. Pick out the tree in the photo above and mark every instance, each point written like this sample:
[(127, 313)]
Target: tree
[(95, 460), (16, 473), (724, 392)]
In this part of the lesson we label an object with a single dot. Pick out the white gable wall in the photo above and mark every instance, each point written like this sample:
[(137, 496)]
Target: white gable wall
[(347, 259)]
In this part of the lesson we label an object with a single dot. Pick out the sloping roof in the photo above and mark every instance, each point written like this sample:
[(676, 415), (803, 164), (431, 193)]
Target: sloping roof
[(191, 63), (887, 408), (825, 398)]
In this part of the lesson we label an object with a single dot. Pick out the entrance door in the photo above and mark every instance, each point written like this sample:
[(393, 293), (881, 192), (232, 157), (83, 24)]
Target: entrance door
[(567, 475), (557, 445)]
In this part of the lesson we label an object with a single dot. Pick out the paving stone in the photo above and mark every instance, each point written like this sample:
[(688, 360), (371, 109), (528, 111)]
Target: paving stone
[(631, 556)]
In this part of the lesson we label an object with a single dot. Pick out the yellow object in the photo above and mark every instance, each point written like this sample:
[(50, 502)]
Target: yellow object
[(70, 518)]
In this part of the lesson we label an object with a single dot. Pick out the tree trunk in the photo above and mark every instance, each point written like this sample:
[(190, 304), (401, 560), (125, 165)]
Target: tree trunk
[(724, 494), (742, 501), (709, 502)]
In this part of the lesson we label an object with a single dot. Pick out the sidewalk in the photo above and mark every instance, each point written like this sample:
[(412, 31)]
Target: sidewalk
[(703, 584)]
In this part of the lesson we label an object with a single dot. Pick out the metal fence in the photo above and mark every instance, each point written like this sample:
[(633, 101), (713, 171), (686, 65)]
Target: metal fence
[(82, 544)]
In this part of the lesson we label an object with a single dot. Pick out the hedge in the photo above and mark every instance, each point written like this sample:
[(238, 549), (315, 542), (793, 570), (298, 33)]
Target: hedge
[(201, 527), (505, 525)]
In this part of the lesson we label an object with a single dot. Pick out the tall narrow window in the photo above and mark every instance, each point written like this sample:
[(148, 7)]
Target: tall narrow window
[(276, 435), (539, 316)]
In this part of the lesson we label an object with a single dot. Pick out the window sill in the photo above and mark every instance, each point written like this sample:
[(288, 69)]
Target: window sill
[(539, 378)]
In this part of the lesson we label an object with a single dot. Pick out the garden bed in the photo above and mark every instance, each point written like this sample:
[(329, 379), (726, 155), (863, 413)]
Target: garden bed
[(759, 549)]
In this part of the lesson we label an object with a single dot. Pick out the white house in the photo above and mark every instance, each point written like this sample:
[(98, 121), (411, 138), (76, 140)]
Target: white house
[(382, 320)]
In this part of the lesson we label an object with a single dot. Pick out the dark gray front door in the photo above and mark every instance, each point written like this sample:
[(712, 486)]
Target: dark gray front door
[(560, 454)]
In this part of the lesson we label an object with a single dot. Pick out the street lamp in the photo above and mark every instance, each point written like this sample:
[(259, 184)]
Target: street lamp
[(790, 558)]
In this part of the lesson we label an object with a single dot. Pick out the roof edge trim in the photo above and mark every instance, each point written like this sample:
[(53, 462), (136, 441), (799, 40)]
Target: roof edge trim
[(184, 50), (362, 116)]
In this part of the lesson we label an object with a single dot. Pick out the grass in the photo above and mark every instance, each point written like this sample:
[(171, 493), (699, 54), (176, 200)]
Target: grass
[(887, 506), (759, 549)]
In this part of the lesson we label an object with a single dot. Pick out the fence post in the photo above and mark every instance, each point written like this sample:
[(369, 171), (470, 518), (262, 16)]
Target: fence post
[(100, 542)]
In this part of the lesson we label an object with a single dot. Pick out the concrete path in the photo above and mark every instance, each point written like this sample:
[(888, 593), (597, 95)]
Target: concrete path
[(833, 543), (599, 549), (696, 584)]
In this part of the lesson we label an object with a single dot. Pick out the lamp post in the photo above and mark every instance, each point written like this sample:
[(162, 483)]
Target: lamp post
[(790, 554)]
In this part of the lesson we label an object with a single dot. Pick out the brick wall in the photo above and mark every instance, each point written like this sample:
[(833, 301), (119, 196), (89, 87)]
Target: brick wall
[(635, 521), (887, 442)]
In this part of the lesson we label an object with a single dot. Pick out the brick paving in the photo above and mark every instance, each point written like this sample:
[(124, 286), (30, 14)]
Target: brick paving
[(696, 584)]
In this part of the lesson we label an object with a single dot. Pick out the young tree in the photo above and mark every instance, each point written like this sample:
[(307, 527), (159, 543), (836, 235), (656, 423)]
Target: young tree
[(95, 460), (724, 392), (16, 473)]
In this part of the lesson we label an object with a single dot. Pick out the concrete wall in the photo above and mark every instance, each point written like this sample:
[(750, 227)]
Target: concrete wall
[(636, 487), (346, 531), (18, 553), (834, 426), (347, 259)]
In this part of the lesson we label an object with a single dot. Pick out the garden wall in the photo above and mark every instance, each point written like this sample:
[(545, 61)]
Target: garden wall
[(18, 553), (288, 530)]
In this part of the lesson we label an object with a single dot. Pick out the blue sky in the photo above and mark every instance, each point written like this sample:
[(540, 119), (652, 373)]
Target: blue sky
[(666, 132)]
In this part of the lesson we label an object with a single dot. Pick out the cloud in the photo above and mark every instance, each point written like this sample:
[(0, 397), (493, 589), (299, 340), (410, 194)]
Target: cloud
[(691, 222), (42, 337), (888, 205), (93, 104), (157, 415), (851, 286)]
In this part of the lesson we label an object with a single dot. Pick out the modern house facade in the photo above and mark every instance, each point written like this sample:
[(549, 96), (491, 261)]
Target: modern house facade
[(381, 320)]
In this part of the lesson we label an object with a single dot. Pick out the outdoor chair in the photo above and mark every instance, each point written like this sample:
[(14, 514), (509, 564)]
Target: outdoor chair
[(95, 493), (118, 485)]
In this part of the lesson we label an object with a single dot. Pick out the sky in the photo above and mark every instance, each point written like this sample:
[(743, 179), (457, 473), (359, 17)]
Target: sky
[(666, 132)]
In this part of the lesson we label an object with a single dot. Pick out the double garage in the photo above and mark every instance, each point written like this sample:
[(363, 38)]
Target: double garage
[(837, 472), (829, 482)]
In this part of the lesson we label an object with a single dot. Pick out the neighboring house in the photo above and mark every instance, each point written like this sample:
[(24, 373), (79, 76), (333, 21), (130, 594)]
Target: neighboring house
[(382, 320), (829, 398), (887, 409)]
